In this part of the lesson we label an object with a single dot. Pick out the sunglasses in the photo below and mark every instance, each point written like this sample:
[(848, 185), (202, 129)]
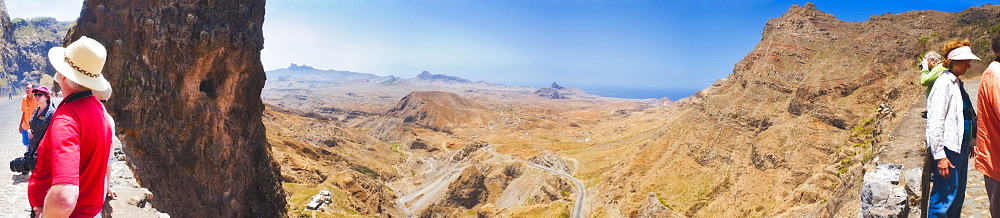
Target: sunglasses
[(39, 94)]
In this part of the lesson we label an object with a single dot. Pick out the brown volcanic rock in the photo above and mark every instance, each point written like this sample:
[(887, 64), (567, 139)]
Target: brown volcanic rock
[(187, 78), (439, 111)]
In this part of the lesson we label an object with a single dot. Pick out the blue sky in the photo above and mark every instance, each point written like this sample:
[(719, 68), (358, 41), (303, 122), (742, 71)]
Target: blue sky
[(632, 49)]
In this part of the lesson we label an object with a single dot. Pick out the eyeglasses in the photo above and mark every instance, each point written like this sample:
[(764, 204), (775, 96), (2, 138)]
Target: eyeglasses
[(39, 94)]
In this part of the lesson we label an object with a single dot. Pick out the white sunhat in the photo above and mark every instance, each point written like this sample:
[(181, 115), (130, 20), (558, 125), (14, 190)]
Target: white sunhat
[(962, 53), (81, 62)]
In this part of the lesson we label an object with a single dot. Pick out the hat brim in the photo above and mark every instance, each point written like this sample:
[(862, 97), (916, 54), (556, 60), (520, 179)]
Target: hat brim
[(42, 91), (963, 57), (57, 57)]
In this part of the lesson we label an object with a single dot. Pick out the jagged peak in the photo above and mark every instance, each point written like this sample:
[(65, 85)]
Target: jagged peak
[(556, 86), (425, 75), (808, 10), (300, 67), (798, 19)]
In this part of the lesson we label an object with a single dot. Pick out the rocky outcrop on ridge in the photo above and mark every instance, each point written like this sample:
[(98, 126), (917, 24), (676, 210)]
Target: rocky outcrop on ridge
[(562, 93), (187, 78), (556, 86)]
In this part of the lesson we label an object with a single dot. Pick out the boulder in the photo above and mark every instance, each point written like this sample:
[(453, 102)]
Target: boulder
[(881, 193)]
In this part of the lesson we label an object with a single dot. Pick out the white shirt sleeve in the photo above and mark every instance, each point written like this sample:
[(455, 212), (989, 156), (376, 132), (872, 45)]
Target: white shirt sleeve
[(944, 116)]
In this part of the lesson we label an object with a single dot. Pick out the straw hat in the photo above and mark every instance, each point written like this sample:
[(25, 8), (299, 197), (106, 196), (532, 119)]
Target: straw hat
[(81, 62), (103, 95)]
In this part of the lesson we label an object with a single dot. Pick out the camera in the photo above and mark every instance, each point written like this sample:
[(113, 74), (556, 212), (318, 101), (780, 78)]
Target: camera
[(23, 164)]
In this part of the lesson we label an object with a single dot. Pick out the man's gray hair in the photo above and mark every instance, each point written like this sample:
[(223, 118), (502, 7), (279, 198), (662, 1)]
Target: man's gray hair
[(932, 56), (72, 84)]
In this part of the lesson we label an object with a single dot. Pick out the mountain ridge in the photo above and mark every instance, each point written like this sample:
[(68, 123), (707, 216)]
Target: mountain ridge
[(425, 78), (789, 131)]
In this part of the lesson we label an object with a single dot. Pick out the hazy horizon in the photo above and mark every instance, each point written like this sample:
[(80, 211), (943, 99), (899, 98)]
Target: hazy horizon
[(630, 49)]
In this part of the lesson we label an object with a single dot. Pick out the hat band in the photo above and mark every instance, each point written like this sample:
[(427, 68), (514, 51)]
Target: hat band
[(77, 68)]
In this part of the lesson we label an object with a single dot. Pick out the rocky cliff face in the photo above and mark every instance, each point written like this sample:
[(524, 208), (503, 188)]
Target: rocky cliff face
[(187, 78), (34, 37), (24, 44), (8, 51)]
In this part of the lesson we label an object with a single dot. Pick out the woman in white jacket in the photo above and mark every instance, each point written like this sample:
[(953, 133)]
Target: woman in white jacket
[(951, 123)]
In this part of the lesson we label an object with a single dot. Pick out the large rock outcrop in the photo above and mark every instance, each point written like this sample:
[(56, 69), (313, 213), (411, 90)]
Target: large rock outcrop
[(187, 78)]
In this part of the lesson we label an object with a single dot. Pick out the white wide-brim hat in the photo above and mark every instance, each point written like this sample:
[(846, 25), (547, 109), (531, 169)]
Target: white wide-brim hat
[(81, 62), (962, 53)]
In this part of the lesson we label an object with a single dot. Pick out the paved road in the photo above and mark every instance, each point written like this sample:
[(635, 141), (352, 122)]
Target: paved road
[(13, 187), (581, 189)]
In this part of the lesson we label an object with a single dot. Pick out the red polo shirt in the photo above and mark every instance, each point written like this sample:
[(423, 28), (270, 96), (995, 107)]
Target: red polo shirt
[(74, 151)]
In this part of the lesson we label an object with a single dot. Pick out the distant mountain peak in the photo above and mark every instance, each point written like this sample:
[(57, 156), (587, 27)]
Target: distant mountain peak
[(431, 77), (556, 86), (425, 75), (300, 67)]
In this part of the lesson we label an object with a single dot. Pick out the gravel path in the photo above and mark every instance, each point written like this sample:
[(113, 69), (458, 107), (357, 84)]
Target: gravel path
[(13, 187)]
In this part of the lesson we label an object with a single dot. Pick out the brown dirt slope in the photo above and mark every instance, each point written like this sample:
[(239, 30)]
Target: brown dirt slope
[(439, 110), (785, 134)]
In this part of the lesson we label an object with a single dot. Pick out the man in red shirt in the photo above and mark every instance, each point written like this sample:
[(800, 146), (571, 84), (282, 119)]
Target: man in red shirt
[(69, 176)]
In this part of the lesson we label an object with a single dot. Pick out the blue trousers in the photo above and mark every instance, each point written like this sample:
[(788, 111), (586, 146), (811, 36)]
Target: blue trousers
[(948, 194), (24, 137)]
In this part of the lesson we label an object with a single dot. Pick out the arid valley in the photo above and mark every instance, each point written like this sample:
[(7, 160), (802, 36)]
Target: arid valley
[(791, 131)]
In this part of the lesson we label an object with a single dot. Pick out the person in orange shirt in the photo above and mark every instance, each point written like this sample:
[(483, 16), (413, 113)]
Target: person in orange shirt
[(987, 159), (28, 105)]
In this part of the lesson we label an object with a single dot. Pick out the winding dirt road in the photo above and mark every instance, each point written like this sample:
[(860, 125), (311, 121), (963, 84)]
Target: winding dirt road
[(581, 189)]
